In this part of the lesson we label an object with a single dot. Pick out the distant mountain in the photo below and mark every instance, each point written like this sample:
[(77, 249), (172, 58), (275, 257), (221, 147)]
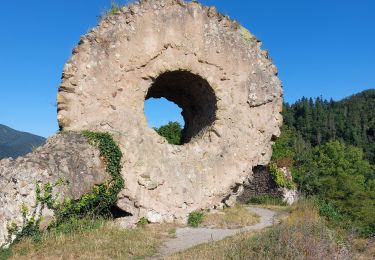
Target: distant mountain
[(14, 143), (351, 120)]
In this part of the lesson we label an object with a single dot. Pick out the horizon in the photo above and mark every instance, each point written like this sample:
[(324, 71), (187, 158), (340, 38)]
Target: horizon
[(321, 49), (178, 118)]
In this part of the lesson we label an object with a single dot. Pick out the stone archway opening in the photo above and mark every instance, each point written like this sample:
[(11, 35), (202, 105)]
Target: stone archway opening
[(193, 94)]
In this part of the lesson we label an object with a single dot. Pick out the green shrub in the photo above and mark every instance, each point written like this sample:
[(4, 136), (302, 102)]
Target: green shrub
[(142, 222), (172, 132), (341, 178), (195, 218), (92, 205), (329, 211), (99, 201), (5, 253), (77, 225), (279, 177), (267, 199)]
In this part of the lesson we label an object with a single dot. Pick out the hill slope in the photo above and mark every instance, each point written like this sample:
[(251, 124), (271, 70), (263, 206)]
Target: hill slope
[(14, 143), (351, 120)]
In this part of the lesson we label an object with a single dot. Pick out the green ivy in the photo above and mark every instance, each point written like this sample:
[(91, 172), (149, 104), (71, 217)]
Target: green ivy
[(99, 201), (279, 177), (95, 204)]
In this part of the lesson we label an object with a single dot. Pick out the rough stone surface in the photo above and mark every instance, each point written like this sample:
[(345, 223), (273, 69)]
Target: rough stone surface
[(289, 195), (66, 158), (207, 64), (261, 183)]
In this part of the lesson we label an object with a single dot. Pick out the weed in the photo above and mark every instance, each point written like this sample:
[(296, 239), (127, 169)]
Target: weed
[(267, 200), (91, 239), (195, 218), (142, 222), (279, 177), (5, 253), (95, 204)]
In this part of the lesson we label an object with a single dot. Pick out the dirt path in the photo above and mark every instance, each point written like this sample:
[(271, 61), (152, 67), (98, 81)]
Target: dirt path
[(188, 237)]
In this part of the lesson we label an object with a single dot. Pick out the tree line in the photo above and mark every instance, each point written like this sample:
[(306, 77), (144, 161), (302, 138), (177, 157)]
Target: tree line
[(351, 120), (330, 148)]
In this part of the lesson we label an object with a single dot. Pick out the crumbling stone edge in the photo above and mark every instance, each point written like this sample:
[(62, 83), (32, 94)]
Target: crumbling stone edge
[(94, 204)]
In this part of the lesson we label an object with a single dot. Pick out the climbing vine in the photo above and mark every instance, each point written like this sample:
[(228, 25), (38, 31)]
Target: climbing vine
[(99, 201), (279, 177), (94, 204)]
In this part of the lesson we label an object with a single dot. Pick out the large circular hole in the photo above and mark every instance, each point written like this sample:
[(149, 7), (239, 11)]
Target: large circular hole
[(193, 94)]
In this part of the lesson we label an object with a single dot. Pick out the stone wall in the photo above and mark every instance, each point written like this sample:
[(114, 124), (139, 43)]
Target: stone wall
[(210, 66), (67, 161), (261, 183)]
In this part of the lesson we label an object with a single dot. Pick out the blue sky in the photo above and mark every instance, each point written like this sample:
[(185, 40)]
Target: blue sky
[(321, 47)]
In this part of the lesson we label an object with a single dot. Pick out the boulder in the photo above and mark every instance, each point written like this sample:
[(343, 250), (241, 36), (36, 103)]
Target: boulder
[(66, 161)]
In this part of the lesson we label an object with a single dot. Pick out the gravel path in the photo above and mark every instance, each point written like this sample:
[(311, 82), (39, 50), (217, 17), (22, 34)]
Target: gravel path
[(188, 237)]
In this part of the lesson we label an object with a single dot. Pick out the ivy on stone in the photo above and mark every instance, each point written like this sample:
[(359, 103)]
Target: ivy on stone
[(279, 177), (102, 197), (95, 204)]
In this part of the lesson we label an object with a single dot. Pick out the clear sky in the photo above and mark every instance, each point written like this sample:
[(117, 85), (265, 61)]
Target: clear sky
[(321, 47)]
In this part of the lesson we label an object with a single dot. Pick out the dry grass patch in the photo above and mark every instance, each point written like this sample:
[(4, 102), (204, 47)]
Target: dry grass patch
[(363, 248), (233, 217), (106, 242), (213, 250), (303, 235)]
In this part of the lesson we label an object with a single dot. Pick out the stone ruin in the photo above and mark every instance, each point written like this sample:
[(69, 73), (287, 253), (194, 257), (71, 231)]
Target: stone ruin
[(207, 64)]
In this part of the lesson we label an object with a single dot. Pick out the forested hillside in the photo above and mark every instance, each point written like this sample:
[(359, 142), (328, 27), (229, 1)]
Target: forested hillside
[(330, 148), (351, 120)]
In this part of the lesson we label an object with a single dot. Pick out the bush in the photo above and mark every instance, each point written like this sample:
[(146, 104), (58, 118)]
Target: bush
[(172, 132), (142, 222), (5, 253), (77, 225), (329, 211), (195, 218), (342, 179), (279, 177), (99, 201), (92, 205), (267, 199)]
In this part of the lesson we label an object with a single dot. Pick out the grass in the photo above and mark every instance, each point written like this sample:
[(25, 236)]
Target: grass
[(213, 250), (100, 239), (233, 217), (363, 248), (267, 200), (302, 235)]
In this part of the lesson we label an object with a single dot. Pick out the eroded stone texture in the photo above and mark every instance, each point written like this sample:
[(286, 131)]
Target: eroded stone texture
[(66, 161), (211, 67), (261, 183)]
